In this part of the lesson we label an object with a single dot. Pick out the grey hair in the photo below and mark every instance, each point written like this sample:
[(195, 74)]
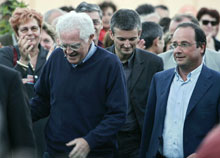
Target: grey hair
[(89, 7), (125, 19), (76, 21)]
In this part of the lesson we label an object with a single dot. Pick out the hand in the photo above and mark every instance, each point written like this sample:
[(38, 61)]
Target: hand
[(25, 47), (193, 155), (81, 148), (140, 44)]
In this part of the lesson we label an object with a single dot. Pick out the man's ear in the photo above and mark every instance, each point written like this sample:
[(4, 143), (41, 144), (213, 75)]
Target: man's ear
[(156, 41), (111, 35)]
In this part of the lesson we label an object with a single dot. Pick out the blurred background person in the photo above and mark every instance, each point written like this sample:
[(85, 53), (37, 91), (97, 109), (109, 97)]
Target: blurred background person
[(108, 8), (209, 22), (67, 8), (28, 57), (95, 13), (52, 14), (162, 11), (147, 13), (152, 34), (48, 36), (165, 24)]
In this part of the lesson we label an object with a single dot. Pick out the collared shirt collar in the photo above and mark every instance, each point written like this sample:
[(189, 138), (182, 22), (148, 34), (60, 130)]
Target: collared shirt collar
[(191, 76), (92, 50)]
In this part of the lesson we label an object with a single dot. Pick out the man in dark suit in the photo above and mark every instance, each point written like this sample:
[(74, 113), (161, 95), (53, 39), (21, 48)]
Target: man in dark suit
[(184, 103), (16, 135), (139, 67)]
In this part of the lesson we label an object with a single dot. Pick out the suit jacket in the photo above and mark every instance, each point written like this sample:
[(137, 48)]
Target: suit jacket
[(145, 66), (15, 124), (6, 58), (202, 114), (211, 59)]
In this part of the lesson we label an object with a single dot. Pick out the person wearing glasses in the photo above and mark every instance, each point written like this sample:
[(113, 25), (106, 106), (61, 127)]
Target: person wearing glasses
[(184, 102), (82, 89), (209, 22), (95, 13), (28, 57), (211, 57)]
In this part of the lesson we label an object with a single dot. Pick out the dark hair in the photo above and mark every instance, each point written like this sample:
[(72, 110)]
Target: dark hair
[(200, 36), (165, 23), (125, 19), (180, 17), (162, 7), (150, 31), (105, 5), (212, 12), (145, 9), (67, 8), (89, 7)]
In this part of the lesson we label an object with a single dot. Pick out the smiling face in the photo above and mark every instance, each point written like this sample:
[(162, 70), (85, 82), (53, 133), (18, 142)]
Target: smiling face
[(31, 31), (125, 41), (76, 49), (189, 57)]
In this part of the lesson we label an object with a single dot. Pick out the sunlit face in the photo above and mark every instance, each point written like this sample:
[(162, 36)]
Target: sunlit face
[(76, 48), (97, 24), (125, 41), (190, 56), (46, 40), (31, 30), (206, 23), (107, 14)]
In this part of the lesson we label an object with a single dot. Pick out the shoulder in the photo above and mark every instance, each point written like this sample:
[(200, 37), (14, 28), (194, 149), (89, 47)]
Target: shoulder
[(166, 54), (7, 72), (106, 54)]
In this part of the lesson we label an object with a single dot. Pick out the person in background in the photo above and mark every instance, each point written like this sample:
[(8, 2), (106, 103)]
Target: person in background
[(48, 36), (183, 103), (162, 11), (52, 14), (95, 13), (16, 134), (209, 22), (139, 67), (86, 107), (152, 34), (108, 8), (28, 57), (147, 13)]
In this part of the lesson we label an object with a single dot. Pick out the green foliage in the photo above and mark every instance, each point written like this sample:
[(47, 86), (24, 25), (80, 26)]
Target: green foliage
[(6, 10)]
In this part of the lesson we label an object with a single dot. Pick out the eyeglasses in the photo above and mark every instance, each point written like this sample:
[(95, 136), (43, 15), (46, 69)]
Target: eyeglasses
[(206, 22), (73, 47), (25, 29), (183, 45)]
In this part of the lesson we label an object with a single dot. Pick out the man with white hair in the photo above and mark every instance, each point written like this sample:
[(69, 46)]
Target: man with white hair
[(82, 87)]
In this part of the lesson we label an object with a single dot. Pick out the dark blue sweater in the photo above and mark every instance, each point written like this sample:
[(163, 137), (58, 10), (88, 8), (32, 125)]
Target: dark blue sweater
[(88, 101)]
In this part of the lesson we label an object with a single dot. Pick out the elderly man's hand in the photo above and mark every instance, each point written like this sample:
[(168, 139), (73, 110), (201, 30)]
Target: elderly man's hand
[(81, 148), (193, 155)]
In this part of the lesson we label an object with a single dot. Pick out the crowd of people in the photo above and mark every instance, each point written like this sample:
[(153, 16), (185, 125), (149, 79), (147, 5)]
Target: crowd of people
[(95, 81)]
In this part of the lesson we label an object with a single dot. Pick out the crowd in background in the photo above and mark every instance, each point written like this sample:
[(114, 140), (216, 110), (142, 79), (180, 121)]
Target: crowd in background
[(119, 98)]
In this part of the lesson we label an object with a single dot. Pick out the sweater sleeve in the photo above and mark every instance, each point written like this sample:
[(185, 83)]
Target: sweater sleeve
[(116, 105), (40, 104)]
